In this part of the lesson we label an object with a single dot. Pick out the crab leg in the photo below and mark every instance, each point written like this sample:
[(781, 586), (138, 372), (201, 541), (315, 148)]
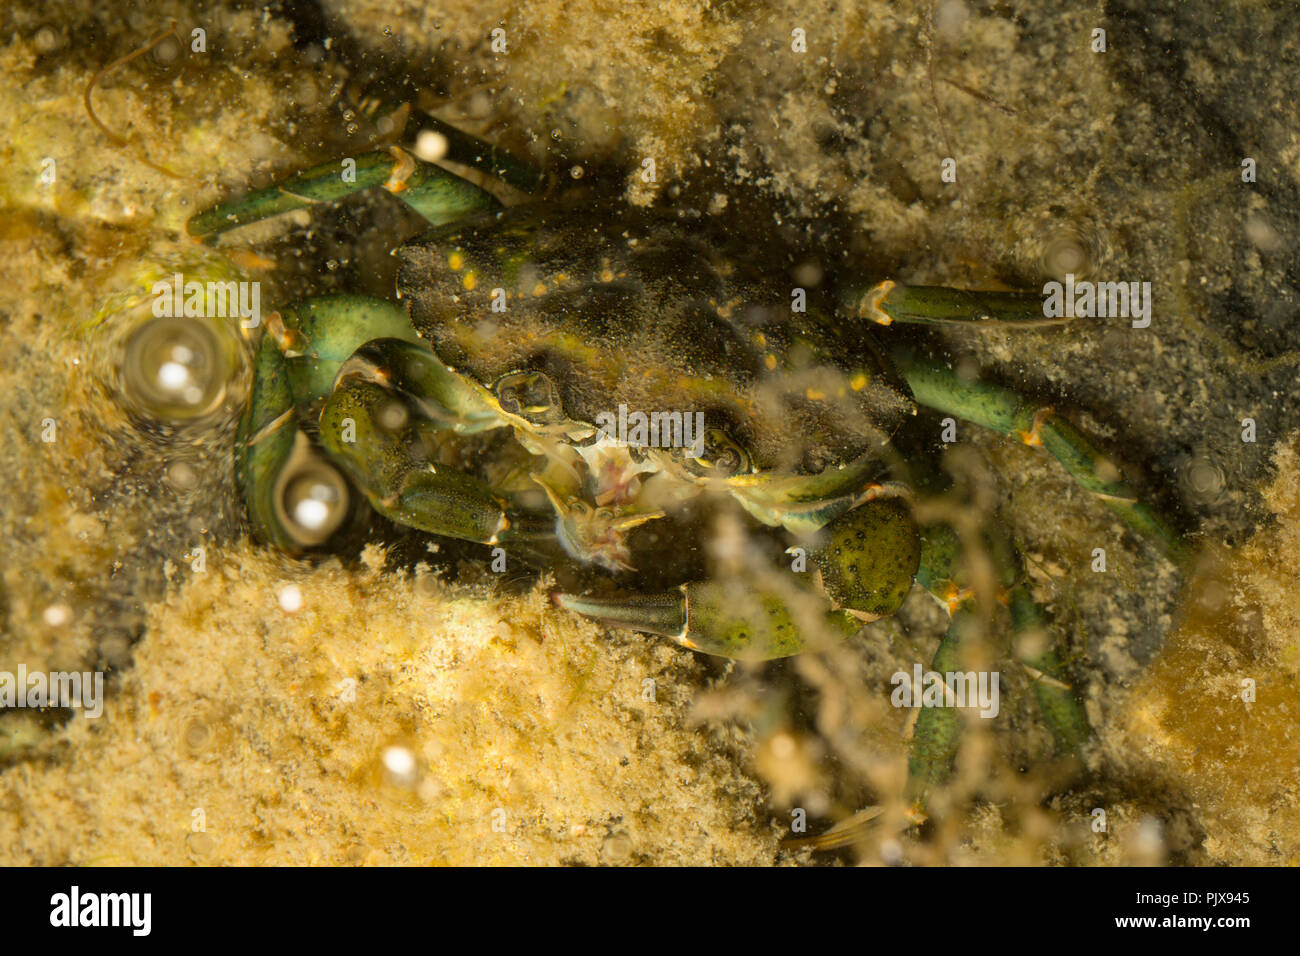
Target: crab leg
[(436, 194), (888, 302), (477, 154), (861, 571), (938, 729), (297, 361), (726, 619), (264, 443), (991, 406), (937, 733)]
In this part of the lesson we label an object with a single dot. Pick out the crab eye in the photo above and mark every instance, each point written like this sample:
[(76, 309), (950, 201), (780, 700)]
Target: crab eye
[(721, 456), (175, 369), (311, 499), (529, 395)]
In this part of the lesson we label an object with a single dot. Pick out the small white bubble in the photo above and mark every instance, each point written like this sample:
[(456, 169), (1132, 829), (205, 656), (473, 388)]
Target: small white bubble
[(431, 145), (291, 598), (1204, 478), (167, 51), (399, 763), (393, 416), (808, 274), (46, 40), (616, 848), (311, 513), (56, 615), (173, 375)]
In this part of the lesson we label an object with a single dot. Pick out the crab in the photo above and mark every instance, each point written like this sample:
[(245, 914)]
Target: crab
[(591, 385)]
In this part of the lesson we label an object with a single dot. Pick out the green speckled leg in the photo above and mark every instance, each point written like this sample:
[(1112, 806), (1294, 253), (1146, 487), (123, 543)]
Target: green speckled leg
[(861, 570), (727, 618), (1002, 410), (888, 302), (436, 194), (937, 733), (1060, 706), (938, 729)]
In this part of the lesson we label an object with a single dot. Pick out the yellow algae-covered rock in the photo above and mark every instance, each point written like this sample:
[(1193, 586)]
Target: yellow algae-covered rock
[(289, 716), (1217, 715)]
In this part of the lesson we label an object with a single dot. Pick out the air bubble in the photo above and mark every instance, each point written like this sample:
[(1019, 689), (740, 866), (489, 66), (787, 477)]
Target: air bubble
[(1203, 479), (312, 504), (393, 416), (617, 848), (196, 736), (400, 766), (167, 52), (313, 498), (430, 145), (290, 598), (182, 476), (46, 40), (1261, 232), (174, 369), (57, 615), (1068, 249)]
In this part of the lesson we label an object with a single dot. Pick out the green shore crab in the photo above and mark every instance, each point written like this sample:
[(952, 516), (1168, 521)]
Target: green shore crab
[(482, 406)]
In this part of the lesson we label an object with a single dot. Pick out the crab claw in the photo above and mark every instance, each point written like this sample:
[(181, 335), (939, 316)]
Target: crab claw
[(594, 535)]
